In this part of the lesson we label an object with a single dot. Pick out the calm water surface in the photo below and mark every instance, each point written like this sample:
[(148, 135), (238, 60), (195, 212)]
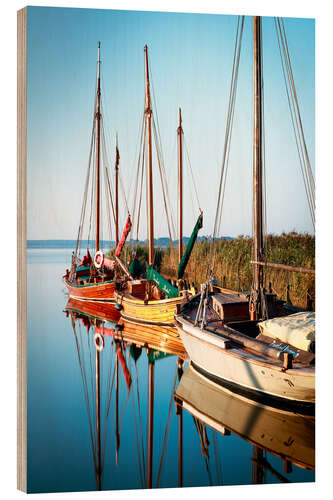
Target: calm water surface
[(71, 447)]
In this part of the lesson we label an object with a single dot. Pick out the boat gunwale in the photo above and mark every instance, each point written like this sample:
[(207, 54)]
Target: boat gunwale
[(127, 297), (73, 285), (147, 322), (274, 364)]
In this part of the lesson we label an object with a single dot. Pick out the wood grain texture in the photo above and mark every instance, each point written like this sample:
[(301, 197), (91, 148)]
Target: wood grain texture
[(152, 312), (100, 291), (100, 310), (21, 249)]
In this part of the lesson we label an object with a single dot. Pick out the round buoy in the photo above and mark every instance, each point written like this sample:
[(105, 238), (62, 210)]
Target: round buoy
[(99, 262), (99, 341)]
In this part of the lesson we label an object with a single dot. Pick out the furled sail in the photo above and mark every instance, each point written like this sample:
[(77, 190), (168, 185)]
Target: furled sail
[(169, 290), (124, 236), (189, 247)]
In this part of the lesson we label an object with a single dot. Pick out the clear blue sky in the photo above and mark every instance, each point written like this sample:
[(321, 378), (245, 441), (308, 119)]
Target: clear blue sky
[(191, 62)]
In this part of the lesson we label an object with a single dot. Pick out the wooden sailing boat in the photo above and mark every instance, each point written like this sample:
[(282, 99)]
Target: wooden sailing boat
[(284, 434), (94, 278), (220, 328), (154, 300)]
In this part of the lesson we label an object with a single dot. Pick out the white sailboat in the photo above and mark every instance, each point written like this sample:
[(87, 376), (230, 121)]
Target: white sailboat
[(221, 328)]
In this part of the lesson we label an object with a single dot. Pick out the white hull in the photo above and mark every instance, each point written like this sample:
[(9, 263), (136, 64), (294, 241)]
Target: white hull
[(254, 372)]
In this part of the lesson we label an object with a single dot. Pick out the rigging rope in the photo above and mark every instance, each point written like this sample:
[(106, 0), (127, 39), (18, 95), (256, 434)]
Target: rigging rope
[(158, 144), (164, 185), (191, 172), (123, 193), (228, 133), (296, 116), (85, 195), (107, 187), (140, 167)]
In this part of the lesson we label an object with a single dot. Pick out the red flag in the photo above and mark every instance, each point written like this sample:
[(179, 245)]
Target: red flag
[(124, 236)]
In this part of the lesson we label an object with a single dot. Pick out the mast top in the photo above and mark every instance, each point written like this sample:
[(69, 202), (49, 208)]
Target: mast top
[(99, 60), (180, 121), (117, 153), (148, 102)]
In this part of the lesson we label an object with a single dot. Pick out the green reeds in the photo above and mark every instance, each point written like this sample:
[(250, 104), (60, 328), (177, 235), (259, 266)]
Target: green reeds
[(230, 264)]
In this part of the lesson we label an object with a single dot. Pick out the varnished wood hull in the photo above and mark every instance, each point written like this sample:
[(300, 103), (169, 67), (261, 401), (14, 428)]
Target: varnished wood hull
[(93, 292), (241, 368), (104, 311), (152, 312), (160, 338), (287, 435)]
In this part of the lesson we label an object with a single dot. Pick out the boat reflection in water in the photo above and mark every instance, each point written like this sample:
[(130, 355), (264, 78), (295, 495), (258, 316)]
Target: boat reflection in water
[(120, 388), (287, 435), (110, 336)]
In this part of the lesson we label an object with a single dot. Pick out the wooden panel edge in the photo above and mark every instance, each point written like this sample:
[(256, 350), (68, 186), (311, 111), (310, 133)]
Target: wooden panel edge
[(21, 249)]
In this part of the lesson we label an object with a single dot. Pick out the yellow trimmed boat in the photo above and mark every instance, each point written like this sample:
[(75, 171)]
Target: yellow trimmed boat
[(139, 305), (154, 300)]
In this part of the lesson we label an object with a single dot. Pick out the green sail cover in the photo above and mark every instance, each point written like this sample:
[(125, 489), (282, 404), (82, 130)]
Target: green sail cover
[(169, 290), (189, 248)]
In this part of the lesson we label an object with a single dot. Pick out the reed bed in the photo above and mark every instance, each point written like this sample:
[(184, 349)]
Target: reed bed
[(229, 261)]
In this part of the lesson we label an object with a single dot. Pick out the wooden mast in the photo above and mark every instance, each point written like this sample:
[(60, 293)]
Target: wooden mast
[(117, 190), (180, 186), (148, 113), (117, 197), (98, 146), (258, 216)]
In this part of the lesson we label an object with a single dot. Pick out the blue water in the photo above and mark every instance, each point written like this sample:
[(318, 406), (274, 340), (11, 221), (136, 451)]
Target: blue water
[(62, 408)]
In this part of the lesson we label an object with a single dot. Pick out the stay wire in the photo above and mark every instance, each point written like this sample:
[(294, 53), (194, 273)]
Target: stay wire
[(191, 173), (163, 184), (295, 115), (227, 139)]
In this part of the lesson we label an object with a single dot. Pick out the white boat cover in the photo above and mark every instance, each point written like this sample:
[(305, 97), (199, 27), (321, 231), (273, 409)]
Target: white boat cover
[(297, 329)]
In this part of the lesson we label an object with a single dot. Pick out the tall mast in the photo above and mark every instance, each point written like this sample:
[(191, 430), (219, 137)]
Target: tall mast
[(98, 145), (117, 195), (117, 198), (257, 157), (148, 113), (180, 185)]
